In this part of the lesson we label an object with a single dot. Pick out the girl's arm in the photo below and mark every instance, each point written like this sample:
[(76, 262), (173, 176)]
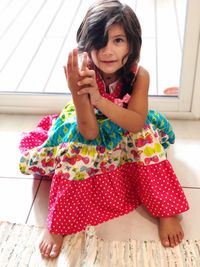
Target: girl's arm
[(86, 119), (133, 118)]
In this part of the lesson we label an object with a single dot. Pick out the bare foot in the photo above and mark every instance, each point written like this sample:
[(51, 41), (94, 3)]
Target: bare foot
[(171, 91), (170, 231), (50, 245)]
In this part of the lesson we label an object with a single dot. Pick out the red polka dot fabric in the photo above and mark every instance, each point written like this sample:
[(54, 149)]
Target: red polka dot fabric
[(74, 205), (38, 136)]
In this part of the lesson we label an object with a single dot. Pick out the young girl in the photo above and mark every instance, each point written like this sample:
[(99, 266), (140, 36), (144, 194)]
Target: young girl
[(106, 151)]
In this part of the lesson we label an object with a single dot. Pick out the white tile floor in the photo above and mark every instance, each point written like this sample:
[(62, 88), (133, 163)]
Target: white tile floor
[(24, 199)]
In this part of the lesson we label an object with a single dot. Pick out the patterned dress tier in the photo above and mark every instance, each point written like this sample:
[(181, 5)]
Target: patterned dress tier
[(95, 181)]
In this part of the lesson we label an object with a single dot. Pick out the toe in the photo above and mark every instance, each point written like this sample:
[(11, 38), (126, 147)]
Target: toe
[(180, 237), (54, 251), (165, 241), (176, 239), (43, 249), (41, 245), (172, 241), (48, 251), (181, 234)]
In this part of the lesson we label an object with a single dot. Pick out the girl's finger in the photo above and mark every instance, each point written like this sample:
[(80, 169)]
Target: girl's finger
[(84, 62), (75, 58), (69, 63), (85, 90), (87, 72), (65, 71), (88, 80)]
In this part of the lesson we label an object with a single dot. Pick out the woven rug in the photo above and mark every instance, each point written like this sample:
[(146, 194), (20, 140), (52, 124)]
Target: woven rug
[(19, 248)]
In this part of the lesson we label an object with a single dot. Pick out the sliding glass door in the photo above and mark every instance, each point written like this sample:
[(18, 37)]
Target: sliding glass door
[(33, 53)]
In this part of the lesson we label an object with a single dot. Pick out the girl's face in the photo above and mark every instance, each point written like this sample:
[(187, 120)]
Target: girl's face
[(114, 55)]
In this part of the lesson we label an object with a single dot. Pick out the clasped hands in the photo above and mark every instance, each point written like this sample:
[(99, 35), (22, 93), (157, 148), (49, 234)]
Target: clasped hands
[(81, 80)]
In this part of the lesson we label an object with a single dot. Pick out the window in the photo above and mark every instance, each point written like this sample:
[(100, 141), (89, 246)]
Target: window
[(37, 36)]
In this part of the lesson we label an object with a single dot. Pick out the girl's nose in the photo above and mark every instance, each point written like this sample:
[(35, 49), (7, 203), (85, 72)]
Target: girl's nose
[(107, 50)]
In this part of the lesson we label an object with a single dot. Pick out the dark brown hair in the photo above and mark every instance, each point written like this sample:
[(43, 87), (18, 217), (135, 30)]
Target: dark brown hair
[(93, 33)]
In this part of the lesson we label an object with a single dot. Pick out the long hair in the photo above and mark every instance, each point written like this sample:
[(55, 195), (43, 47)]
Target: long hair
[(93, 34)]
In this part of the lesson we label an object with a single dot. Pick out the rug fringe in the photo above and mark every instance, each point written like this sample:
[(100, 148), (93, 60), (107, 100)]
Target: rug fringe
[(19, 248)]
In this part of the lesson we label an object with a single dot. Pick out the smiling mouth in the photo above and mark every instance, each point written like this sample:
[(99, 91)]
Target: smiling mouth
[(108, 61)]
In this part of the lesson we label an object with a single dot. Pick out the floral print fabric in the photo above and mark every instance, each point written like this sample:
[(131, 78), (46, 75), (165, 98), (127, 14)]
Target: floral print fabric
[(66, 151)]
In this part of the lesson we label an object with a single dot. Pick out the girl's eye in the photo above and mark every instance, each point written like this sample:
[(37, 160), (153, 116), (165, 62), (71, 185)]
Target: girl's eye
[(119, 40)]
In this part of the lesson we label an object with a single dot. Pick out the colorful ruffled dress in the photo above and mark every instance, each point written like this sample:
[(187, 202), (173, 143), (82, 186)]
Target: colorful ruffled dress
[(95, 181)]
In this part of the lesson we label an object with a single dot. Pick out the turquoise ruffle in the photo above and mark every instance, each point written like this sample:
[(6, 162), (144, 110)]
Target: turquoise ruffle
[(65, 130)]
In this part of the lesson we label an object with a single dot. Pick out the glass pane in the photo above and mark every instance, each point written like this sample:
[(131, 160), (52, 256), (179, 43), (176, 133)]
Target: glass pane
[(36, 36), (163, 23)]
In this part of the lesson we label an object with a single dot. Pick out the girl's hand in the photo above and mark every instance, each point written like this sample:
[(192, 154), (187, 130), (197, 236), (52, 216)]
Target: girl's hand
[(72, 70), (89, 85)]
